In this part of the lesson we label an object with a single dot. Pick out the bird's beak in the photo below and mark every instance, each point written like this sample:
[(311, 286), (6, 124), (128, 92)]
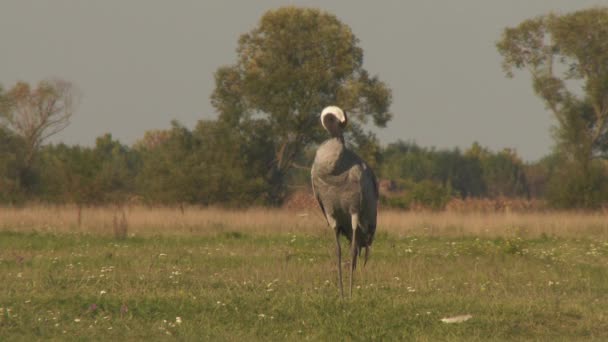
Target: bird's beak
[(345, 121)]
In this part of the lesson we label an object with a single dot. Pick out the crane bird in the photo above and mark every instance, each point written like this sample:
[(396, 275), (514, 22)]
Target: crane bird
[(346, 189)]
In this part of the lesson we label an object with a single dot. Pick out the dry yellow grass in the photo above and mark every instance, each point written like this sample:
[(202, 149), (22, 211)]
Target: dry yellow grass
[(142, 220), (530, 224), (156, 220)]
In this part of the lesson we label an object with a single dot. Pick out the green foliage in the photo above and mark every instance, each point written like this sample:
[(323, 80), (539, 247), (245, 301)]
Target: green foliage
[(502, 173), (564, 185), (211, 165), (429, 178), (450, 168), (168, 170), (430, 195), (569, 188), (538, 174), (117, 169), (235, 162), (74, 174), (11, 163), (426, 194), (477, 172), (69, 174)]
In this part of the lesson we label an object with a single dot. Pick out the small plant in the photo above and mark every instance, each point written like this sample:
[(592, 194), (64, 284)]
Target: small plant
[(514, 246)]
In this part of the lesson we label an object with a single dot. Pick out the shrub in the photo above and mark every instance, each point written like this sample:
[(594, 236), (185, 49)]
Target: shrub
[(424, 194)]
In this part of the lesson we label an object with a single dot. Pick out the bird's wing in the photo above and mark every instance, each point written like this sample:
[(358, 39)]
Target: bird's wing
[(368, 193), (314, 192), (369, 203), (375, 182)]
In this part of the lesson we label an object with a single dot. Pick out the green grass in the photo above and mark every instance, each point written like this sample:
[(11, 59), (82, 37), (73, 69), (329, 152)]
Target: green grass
[(239, 286)]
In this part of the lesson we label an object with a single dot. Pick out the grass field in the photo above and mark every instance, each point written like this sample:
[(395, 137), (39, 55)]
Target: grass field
[(269, 275)]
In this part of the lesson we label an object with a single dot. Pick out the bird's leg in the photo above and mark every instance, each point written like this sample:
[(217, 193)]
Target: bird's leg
[(339, 254), (366, 255), (353, 249)]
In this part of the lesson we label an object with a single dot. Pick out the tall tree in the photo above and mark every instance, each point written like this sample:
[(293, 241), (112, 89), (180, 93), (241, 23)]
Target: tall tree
[(567, 57), (38, 113), (294, 63)]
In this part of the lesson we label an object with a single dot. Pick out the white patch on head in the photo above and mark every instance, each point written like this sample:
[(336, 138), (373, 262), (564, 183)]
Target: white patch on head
[(336, 111)]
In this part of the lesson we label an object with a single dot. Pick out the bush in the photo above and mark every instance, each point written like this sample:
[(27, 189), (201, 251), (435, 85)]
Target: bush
[(569, 187), (424, 194), (430, 195)]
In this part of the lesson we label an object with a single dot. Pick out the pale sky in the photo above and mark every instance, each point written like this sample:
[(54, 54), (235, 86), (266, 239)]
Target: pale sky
[(140, 64)]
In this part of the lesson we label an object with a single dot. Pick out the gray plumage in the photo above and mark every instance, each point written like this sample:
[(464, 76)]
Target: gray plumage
[(346, 190)]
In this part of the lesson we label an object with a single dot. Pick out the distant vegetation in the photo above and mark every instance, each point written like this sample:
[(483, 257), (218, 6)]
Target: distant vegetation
[(208, 165), (258, 150)]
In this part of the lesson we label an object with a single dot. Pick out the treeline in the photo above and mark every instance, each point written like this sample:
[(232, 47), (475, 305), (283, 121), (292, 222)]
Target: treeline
[(430, 177), (214, 164), (207, 165)]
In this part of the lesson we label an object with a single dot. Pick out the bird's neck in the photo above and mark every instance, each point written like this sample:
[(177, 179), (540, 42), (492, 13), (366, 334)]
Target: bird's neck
[(338, 137)]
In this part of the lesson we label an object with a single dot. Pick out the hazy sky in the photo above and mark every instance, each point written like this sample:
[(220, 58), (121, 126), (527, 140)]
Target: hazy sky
[(141, 64)]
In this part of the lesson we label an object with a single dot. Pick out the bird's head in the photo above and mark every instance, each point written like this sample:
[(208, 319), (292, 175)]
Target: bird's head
[(334, 120)]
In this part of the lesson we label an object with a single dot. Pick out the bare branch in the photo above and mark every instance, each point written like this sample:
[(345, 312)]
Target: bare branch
[(39, 113)]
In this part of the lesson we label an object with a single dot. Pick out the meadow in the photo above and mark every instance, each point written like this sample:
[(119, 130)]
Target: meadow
[(260, 274)]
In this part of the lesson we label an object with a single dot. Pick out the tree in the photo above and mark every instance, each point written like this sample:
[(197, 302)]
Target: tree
[(212, 164), (85, 175), (462, 174), (567, 57), (11, 162), (503, 172), (294, 63), (169, 172), (37, 114), (69, 175), (117, 167)]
